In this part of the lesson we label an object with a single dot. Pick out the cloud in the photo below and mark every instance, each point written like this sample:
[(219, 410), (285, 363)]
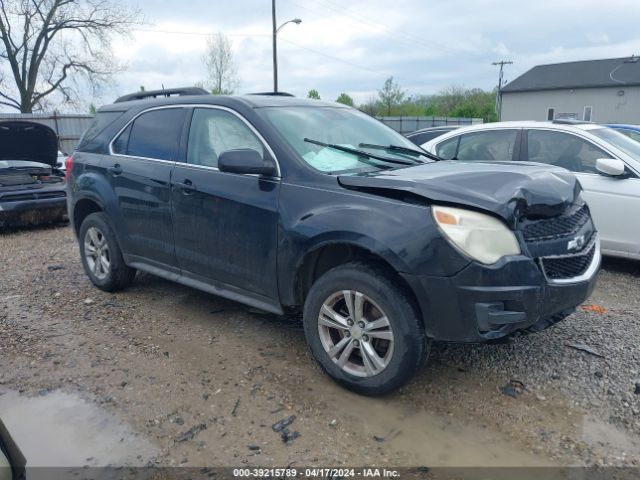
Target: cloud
[(353, 46)]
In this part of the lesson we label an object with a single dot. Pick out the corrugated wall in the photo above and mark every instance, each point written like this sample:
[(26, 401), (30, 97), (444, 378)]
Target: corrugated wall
[(68, 127)]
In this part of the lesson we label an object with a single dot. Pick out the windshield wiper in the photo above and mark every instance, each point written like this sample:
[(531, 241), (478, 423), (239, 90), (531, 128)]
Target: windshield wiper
[(360, 153), (398, 148)]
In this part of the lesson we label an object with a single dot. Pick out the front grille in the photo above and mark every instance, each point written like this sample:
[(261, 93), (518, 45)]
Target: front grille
[(570, 266), (563, 225), (32, 196)]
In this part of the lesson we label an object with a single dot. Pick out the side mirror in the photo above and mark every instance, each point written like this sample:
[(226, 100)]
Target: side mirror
[(246, 160), (610, 167)]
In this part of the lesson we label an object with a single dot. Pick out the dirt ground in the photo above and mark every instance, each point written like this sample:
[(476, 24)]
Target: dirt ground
[(162, 374)]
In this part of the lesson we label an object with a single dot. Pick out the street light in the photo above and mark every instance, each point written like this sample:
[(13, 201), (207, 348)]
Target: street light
[(297, 21)]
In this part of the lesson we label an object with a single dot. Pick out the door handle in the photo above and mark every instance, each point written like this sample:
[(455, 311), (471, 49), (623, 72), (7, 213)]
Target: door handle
[(187, 187), (115, 170)]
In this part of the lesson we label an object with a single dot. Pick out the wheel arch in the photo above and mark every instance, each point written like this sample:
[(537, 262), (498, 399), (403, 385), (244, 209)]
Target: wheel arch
[(328, 254)]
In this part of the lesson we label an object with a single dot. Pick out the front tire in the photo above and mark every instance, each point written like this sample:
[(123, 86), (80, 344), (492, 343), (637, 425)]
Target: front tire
[(363, 329), (101, 255)]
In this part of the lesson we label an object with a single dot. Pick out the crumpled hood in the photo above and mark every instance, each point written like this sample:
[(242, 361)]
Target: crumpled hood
[(507, 189), (28, 141)]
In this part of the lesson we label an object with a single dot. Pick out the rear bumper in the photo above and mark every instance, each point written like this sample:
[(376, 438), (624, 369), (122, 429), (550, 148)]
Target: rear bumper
[(483, 303), (32, 211)]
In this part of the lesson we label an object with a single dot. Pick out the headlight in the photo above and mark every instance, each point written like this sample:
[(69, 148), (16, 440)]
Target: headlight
[(482, 237)]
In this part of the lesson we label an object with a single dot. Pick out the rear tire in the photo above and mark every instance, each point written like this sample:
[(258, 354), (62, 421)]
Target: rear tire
[(101, 255), (363, 329)]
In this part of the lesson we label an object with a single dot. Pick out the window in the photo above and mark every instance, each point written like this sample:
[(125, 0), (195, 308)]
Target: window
[(563, 150), (551, 114), (587, 114), (122, 142), (214, 131), (626, 143), (342, 126), (101, 121), (488, 145), (447, 149), (156, 134), (632, 134)]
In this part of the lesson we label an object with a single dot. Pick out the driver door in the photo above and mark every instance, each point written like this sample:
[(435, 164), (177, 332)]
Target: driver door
[(225, 225)]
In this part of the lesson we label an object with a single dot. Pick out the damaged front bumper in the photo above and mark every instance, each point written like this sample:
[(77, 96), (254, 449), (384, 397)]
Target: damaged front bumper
[(483, 303)]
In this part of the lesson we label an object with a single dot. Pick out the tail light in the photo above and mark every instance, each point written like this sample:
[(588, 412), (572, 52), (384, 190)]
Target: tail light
[(68, 165)]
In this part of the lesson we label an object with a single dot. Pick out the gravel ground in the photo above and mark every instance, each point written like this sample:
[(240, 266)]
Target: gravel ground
[(201, 380)]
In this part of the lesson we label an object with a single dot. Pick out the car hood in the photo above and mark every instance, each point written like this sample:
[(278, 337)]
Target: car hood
[(507, 189), (28, 141)]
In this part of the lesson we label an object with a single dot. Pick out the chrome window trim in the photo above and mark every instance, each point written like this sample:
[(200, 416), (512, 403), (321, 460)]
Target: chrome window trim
[(198, 105)]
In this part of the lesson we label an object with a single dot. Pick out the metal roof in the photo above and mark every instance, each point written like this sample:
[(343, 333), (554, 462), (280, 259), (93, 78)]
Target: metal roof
[(611, 72)]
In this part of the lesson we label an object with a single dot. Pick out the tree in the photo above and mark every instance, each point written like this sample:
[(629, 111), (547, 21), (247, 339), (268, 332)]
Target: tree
[(53, 49), (345, 99), (313, 93), (391, 95), (221, 65)]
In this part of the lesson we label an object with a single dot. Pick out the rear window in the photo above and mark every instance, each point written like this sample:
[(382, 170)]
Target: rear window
[(156, 134), (101, 121)]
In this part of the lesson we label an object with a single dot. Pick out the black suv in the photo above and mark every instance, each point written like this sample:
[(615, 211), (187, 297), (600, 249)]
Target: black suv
[(295, 205)]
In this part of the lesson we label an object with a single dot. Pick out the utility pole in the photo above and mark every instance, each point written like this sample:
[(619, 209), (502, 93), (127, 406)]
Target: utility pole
[(275, 52), (501, 63)]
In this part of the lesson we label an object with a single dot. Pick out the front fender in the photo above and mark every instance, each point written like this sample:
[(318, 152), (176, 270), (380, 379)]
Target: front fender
[(402, 234)]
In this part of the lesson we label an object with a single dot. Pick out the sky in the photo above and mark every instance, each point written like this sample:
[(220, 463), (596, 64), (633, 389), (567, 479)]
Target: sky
[(352, 46)]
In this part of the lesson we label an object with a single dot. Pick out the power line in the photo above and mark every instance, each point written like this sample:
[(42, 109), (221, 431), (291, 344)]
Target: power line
[(501, 63)]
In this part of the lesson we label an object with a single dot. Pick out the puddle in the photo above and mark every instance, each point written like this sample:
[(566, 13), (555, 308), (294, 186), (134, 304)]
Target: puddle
[(435, 440), (62, 430), (604, 436)]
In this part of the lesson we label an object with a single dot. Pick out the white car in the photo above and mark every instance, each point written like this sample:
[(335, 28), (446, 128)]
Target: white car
[(60, 165), (606, 162)]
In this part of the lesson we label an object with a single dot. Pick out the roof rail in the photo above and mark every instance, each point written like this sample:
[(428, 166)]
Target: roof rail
[(274, 94), (167, 92), (569, 121)]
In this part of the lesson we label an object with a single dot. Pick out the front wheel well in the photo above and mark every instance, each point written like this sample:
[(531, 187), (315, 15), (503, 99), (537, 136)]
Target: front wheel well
[(318, 262), (82, 209)]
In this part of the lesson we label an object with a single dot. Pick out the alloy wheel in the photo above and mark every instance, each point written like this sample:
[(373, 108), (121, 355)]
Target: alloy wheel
[(356, 333), (96, 253)]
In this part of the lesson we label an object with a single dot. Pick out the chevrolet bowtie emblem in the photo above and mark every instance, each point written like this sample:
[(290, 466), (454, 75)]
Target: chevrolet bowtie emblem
[(576, 244)]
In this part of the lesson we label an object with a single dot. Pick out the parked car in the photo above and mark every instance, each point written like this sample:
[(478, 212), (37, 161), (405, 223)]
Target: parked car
[(423, 135), (61, 161), (12, 462), (296, 205), (31, 189), (631, 131), (606, 162)]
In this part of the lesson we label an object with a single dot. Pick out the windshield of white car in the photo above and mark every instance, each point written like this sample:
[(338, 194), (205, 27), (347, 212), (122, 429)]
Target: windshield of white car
[(618, 140), (342, 127)]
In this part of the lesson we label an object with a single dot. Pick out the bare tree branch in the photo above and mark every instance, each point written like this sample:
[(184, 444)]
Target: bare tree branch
[(56, 48), (221, 66)]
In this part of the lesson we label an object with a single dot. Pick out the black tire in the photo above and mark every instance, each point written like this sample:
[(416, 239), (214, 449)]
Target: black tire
[(119, 275), (410, 345)]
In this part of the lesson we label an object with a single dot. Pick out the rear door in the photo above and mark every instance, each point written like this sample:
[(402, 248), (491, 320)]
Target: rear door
[(611, 200), (225, 225), (143, 156)]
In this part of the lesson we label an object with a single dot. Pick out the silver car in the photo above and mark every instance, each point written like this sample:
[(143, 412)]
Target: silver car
[(606, 162)]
